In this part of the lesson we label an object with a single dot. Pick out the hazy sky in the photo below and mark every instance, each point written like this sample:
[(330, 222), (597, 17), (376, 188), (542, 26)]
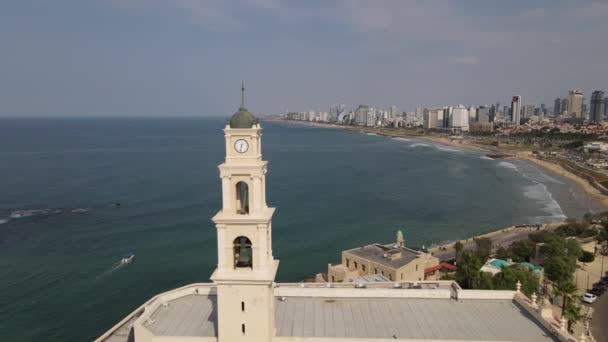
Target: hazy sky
[(188, 57)]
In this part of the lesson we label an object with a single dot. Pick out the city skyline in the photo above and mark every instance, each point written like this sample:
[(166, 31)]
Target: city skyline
[(187, 57)]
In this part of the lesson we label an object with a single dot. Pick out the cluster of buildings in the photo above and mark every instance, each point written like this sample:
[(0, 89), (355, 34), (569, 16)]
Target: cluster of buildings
[(571, 109), (244, 303)]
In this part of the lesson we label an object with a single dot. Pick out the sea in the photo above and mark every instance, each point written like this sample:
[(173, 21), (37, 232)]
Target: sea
[(76, 195)]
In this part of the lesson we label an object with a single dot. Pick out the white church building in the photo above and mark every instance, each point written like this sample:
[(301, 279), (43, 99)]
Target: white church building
[(243, 302)]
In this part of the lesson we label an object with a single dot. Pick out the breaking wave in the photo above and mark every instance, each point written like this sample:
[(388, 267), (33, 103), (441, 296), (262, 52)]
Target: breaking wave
[(419, 145), (485, 158), (540, 194), (447, 149), (508, 165), (401, 139)]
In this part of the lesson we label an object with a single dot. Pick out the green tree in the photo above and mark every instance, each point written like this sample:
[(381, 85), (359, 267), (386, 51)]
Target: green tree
[(559, 269), (458, 247), (508, 278), (588, 217), (467, 274), (522, 250), (586, 257), (483, 248), (564, 289), (572, 313), (503, 253), (485, 281)]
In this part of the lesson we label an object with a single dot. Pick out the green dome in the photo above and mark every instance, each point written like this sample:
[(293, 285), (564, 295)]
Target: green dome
[(242, 119)]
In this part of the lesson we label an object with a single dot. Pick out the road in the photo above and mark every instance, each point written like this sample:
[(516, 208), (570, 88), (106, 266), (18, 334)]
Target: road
[(500, 239), (599, 328)]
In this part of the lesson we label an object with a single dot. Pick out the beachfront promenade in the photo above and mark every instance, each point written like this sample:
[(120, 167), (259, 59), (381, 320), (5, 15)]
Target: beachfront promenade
[(500, 238)]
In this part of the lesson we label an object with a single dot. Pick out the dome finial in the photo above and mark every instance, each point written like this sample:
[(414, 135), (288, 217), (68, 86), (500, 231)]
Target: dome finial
[(242, 96)]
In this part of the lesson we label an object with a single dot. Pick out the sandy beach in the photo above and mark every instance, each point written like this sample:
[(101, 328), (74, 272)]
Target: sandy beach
[(589, 190), (582, 184)]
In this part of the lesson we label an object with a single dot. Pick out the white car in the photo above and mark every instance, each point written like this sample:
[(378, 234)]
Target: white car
[(589, 298)]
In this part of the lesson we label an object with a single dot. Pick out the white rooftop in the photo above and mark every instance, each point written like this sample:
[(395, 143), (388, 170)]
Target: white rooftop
[(406, 318)]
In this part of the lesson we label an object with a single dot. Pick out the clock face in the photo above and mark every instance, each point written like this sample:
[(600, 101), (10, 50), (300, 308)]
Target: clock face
[(241, 146)]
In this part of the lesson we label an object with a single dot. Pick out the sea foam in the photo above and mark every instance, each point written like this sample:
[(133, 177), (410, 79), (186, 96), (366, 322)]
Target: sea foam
[(539, 193), (419, 145), (447, 149), (508, 165)]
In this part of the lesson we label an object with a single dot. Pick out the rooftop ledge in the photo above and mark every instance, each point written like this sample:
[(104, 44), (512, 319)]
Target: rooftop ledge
[(142, 319)]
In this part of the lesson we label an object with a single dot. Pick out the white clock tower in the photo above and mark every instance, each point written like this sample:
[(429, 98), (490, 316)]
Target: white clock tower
[(245, 267)]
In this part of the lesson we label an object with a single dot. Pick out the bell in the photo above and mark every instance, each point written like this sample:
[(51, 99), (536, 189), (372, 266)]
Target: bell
[(244, 259)]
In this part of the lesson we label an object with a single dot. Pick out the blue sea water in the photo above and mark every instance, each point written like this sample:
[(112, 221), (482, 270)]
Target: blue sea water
[(332, 189)]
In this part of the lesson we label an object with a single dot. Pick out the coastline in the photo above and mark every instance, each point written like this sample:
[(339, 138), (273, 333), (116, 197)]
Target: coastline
[(593, 193), (580, 183)]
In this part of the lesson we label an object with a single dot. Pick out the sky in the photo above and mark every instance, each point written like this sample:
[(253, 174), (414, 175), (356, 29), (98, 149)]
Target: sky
[(98, 58)]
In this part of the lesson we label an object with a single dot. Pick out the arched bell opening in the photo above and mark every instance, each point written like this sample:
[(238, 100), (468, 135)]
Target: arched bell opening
[(242, 198), (243, 256)]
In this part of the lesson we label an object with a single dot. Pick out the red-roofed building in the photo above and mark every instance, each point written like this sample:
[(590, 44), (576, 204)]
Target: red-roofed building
[(438, 271)]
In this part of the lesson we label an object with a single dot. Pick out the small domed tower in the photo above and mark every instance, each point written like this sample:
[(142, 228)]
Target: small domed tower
[(400, 240), (245, 266)]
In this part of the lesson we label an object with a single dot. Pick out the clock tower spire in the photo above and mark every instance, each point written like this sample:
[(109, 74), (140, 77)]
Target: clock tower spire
[(246, 267)]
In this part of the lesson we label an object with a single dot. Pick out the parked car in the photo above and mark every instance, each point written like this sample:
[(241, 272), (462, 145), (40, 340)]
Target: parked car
[(596, 291), (589, 298)]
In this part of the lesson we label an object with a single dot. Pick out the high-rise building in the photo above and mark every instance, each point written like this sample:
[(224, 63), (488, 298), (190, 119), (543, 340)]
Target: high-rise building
[(575, 103), (371, 118), (459, 119), (605, 107), (432, 118), (528, 111), (472, 114), (516, 109), (598, 106), (543, 109), (393, 112), (557, 106), (564, 108), (361, 115), (483, 114)]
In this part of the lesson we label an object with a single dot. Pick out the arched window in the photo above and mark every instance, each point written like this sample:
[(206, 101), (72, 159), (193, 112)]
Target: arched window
[(242, 252), (242, 198)]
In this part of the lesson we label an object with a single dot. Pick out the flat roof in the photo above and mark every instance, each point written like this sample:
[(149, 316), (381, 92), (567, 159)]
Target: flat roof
[(406, 318), (376, 251), (190, 315)]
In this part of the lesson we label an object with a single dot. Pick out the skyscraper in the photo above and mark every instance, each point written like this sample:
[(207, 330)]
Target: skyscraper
[(516, 109), (484, 114), (528, 111), (557, 106), (598, 106), (565, 104), (575, 103)]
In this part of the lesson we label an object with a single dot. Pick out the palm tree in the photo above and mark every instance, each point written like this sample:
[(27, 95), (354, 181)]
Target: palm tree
[(565, 289), (572, 313)]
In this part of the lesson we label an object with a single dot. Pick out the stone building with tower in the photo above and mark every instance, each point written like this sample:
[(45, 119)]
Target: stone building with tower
[(394, 261), (244, 303)]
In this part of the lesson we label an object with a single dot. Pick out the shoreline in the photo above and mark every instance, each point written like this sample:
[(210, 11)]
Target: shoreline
[(593, 193), (576, 181)]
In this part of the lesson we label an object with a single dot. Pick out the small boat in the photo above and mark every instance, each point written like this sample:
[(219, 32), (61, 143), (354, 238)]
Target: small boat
[(127, 259)]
